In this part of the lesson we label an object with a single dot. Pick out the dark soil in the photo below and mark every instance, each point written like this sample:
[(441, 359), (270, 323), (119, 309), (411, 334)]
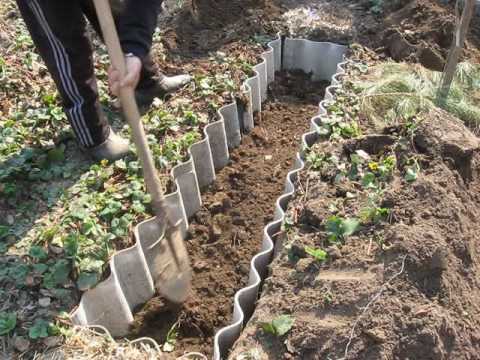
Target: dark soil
[(417, 268), (406, 30), (228, 231)]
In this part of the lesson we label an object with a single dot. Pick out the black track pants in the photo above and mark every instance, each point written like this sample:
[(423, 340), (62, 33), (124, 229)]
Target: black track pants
[(58, 30)]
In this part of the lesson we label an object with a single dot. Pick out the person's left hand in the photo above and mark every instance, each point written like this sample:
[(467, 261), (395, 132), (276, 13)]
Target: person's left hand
[(131, 79)]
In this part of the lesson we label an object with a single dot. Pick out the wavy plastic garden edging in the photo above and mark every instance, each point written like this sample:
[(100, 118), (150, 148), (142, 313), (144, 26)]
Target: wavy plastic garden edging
[(111, 303)]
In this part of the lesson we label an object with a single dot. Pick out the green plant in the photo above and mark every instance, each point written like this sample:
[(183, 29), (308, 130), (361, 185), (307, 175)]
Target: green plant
[(374, 214), (8, 322), (171, 340), (279, 326), (38, 253), (376, 6), (335, 127), (288, 224), (383, 169), (317, 161), (328, 297), (338, 228), (319, 254), (40, 329), (411, 171)]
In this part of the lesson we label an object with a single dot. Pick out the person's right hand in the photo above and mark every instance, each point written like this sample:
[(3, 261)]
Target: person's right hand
[(131, 79)]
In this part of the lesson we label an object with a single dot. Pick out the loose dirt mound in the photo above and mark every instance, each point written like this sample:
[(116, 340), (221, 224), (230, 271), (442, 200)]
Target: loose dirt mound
[(415, 30), (228, 231), (403, 285)]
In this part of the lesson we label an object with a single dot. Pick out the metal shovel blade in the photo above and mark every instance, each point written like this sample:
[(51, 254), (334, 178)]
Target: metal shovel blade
[(170, 266)]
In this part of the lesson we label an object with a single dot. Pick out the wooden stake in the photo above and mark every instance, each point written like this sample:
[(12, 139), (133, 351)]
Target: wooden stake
[(459, 37)]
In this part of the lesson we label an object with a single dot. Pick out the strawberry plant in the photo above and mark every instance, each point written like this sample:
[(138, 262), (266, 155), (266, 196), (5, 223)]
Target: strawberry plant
[(338, 228), (8, 322), (279, 326), (319, 254)]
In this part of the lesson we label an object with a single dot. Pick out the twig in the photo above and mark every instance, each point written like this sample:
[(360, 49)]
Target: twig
[(375, 298)]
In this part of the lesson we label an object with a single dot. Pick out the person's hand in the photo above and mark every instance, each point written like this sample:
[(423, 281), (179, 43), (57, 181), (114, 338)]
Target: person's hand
[(131, 79)]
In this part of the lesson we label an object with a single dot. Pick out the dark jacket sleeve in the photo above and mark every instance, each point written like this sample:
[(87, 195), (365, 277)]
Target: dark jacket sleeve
[(136, 24)]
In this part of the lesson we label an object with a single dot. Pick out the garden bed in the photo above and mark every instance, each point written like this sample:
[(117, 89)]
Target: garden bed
[(380, 256), (228, 231)]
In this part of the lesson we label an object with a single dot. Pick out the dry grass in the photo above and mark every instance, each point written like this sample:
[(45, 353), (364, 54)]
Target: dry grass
[(392, 91), (95, 343)]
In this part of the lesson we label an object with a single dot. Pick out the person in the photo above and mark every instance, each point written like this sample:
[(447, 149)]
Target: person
[(59, 31)]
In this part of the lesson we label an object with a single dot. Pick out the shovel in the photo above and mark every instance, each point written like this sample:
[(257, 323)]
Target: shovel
[(171, 270)]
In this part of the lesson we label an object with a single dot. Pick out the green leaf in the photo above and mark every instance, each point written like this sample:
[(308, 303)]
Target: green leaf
[(91, 265), (40, 268), (56, 155), (8, 321), (4, 231), (38, 253), (318, 254), (87, 280), (349, 226), (368, 180), (279, 326), (282, 324), (411, 175), (111, 209), (39, 329), (71, 244), (57, 275), (268, 328)]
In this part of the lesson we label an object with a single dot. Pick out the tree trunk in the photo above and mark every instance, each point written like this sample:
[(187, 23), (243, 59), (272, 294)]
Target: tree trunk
[(460, 35)]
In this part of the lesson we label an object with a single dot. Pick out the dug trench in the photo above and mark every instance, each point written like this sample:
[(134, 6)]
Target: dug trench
[(227, 232)]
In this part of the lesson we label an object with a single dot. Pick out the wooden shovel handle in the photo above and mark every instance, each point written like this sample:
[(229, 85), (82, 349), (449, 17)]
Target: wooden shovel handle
[(129, 105)]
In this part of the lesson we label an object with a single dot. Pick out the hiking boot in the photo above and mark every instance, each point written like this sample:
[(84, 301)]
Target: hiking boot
[(112, 149), (159, 88)]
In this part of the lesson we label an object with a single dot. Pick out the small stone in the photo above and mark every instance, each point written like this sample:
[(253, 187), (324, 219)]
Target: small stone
[(211, 292), (239, 221), (10, 219), (21, 344), (376, 335), (199, 266), (226, 203), (334, 252), (45, 292), (268, 157), (431, 59), (439, 260), (44, 302), (215, 232), (302, 265), (241, 235), (216, 207), (203, 217), (30, 281), (57, 250), (399, 47), (243, 269), (298, 251), (52, 341)]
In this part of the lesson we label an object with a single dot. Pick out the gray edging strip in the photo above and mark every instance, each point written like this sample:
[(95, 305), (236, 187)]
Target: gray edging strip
[(324, 61), (111, 302)]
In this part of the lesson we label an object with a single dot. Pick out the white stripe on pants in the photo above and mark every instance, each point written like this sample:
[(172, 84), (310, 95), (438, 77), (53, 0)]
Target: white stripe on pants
[(66, 78)]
